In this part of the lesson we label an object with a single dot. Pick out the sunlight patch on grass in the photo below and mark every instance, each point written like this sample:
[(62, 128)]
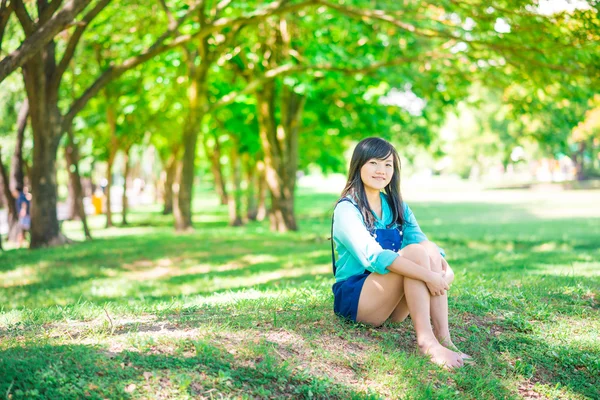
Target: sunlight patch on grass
[(21, 276), (252, 259), (551, 246), (262, 278), (479, 245), (577, 332), (232, 297), (580, 211), (587, 269), (125, 231)]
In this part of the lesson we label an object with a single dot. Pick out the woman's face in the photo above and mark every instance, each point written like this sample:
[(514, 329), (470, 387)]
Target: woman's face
[(376, 174)]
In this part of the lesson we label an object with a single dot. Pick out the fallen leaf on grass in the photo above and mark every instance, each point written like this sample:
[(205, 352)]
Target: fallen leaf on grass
[(130, 388)]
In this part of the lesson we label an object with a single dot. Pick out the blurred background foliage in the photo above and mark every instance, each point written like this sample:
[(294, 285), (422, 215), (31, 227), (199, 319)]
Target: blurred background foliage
[(149, 98)]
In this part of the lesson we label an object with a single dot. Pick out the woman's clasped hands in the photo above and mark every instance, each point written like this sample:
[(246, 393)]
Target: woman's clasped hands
[(437, 284)]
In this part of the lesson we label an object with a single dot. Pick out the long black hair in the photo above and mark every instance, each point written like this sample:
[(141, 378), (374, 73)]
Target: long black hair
[(366, 150)]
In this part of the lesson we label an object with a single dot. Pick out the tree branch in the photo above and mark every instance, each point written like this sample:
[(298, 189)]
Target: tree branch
[(159, 46), (5, 11), (23, 16), (41, 37), (172, 21), (517, 50), (219, 7), (74, 39), (318, 70), (276, 8), (49, 11)]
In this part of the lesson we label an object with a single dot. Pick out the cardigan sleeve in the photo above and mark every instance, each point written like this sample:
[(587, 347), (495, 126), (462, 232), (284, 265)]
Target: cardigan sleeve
[(349, 231)]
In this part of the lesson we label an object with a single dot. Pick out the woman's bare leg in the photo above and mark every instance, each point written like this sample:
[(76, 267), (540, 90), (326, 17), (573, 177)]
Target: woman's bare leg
[(379, 297), (439, 304), (418, 301), (400, 312)]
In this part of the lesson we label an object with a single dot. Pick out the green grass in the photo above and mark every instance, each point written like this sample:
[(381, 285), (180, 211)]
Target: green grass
[(245, 313)]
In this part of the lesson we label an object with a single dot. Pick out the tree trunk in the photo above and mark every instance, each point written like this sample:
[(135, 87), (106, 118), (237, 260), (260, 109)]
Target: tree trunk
[(126, 174), (109, 181), (72, 158), (214, 155), (17, 177), (280, 145), (251, 176), (10, 200), (183, 211), (197, 101), (578, 160), (112, 153), (261, 178), (235, 198), (72, 212), (46, 126), (171, 172), (45, 230)]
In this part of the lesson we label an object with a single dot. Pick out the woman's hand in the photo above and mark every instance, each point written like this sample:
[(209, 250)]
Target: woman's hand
[(437, 284)]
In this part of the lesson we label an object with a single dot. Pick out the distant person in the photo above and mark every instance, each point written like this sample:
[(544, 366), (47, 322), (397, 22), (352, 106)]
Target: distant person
[(23, 203), (386, 267)]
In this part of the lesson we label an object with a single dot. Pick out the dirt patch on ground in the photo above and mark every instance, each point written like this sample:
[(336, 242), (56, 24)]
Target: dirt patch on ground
[(314, 357), (493, 324), (527, 391)]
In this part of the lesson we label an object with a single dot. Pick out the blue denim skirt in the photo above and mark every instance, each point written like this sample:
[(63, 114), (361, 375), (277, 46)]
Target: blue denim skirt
[(346, 294)]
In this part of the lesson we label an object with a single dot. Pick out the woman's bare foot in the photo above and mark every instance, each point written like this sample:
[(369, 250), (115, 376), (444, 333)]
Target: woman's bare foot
[(447, 342), (442, 356)]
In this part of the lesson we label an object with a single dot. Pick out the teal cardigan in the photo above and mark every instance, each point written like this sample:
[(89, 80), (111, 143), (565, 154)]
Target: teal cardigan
[(357, 249)]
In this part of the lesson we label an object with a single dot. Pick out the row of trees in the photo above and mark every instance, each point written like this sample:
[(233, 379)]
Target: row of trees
[(275, 84)]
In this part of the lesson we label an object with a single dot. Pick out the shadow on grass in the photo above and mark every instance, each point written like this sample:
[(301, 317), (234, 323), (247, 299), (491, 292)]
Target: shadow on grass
[(143, 265), (157, 263), (200, 368), (508, 346), (556, 366)]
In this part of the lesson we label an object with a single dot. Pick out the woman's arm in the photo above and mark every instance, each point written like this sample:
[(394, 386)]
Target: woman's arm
[(350, 232)]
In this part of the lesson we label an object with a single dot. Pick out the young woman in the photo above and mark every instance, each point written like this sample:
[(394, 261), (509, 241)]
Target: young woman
[(386, 267)]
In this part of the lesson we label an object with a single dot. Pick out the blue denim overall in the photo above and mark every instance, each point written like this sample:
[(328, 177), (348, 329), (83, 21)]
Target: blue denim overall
[(347, 293)]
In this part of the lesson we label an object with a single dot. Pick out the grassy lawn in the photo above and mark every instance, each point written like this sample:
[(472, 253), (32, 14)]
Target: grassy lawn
[(143, 312)]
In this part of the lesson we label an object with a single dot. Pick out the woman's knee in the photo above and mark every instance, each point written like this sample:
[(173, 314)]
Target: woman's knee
[(417, 254), (449, 276)]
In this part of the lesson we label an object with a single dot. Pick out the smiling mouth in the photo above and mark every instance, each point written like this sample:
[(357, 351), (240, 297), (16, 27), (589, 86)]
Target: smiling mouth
[(379, 178)]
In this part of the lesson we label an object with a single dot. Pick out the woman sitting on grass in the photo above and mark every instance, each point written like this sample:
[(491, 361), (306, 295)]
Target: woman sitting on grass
[(386, 267)]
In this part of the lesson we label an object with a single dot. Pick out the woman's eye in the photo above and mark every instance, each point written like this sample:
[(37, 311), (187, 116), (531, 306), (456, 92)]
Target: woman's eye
[(373, 162), (389, 165)]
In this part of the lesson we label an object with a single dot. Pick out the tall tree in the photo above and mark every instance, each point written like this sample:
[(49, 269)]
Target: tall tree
[(200, 59), (43, 74)]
